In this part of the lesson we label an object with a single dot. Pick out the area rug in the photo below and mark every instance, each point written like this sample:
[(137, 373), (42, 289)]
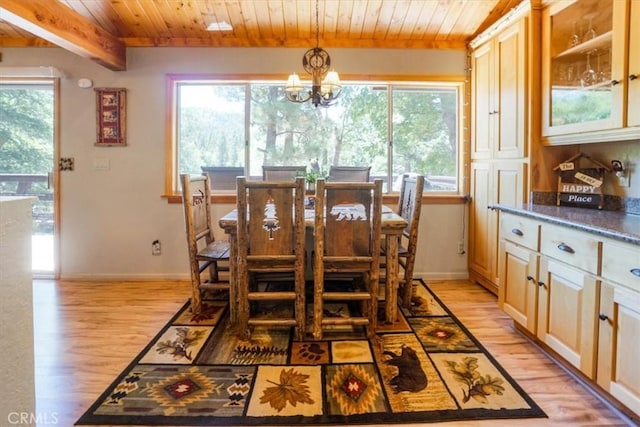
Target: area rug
[(426, 367)]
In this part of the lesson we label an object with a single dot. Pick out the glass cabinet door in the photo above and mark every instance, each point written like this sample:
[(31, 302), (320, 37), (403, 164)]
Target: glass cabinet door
[(577, 74)]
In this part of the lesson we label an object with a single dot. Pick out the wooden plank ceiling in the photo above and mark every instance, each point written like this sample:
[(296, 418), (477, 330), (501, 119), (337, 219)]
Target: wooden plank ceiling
[(103, 29)]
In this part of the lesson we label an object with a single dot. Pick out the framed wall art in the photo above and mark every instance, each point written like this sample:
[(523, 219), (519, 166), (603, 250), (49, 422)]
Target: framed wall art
[(111, 116)]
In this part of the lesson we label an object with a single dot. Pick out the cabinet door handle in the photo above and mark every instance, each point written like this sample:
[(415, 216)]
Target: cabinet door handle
[(635, 271), (614, 82), (566, 248), (530, 278), (603, 316), (541, 284), (517, 232), (633, 77)]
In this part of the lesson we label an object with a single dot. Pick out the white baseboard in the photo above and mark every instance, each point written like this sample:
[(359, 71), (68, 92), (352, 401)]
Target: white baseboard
[(125, 277), (445, 275)]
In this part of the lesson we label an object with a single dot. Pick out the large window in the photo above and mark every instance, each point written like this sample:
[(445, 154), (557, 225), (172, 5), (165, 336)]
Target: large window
[(394, 128)]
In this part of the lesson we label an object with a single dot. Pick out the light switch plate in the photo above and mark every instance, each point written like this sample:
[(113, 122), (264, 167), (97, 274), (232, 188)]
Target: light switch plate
[(101, 164)]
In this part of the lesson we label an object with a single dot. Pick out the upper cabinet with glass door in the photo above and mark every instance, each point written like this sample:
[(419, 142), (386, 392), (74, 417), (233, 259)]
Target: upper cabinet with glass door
[(587, 76)]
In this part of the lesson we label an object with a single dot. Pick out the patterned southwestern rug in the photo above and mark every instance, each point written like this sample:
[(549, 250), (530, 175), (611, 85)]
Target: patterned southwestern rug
[(426, 367)]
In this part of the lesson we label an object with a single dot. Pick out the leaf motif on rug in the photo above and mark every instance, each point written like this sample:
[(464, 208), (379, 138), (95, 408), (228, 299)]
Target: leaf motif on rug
[(283, 390), (178, 344), (291, 389), (479, 387), (475, 376)]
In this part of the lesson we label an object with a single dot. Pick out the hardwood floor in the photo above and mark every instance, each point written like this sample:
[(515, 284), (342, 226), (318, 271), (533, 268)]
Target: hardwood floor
[(87, 333)]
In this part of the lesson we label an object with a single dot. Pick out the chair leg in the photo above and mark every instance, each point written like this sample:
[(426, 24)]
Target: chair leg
[(196, 296), (213, 272), (318, 309), (407, 287), (373, 305)]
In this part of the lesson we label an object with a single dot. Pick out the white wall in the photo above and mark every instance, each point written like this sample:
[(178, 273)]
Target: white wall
[(109, 218)]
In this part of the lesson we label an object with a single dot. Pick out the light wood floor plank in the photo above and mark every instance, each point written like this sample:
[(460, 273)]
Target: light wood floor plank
[(87, 333)]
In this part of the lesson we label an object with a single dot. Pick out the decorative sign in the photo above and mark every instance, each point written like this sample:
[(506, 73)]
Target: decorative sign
[(111, 116), (581, 187), (594, 182), (566, 166)]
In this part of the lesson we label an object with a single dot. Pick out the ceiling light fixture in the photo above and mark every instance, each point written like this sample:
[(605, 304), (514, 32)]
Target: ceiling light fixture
[(325, 84), (219, 26)]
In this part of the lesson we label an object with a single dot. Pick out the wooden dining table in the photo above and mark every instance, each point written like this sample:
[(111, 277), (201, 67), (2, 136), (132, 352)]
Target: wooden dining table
[(392, 228)]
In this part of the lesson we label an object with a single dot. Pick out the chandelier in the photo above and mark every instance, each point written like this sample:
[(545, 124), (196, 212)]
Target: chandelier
[(325, 84)]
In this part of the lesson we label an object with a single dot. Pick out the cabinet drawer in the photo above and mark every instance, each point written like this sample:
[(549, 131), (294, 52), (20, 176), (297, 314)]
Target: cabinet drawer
[(580, 249), (520, 230), (621, 263)]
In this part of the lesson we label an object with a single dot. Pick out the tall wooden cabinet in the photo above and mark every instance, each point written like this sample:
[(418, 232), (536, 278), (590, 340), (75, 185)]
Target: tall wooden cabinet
[(499, 135)]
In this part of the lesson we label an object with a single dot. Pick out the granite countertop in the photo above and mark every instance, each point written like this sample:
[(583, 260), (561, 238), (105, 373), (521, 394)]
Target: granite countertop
[(612, 224)]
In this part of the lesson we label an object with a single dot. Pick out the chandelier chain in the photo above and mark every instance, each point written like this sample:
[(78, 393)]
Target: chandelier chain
[(317, 24)]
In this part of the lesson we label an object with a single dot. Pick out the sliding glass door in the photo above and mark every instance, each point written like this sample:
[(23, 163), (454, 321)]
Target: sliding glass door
[(27, 152)]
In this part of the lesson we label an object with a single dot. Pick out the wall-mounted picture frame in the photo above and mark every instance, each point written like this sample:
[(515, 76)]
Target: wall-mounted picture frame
[(111, 116)]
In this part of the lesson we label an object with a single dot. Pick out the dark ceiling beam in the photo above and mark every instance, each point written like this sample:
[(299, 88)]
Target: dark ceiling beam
[(60, 25)]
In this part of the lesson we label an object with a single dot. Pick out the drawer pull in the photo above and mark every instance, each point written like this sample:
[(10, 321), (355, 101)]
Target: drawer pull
[(633, 77), (603, 316), (635, 271), (517, 232), (566, 248)]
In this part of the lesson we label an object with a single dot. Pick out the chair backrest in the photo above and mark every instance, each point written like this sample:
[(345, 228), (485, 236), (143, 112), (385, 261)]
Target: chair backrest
[(271, 220), (410, 204), (196, 201), (349, 173), (222, 177), (348, 217), (282, 173)]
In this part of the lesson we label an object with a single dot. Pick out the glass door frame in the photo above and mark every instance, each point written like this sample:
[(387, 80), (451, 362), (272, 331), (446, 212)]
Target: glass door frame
[(54, 173)]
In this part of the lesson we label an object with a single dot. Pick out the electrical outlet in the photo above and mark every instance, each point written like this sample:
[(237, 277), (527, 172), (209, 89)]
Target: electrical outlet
[(460, 247), (156, 249), (623, 181)]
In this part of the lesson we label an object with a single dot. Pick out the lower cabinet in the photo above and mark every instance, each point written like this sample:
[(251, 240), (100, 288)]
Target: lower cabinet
[(518, 294), (518, 260), (619, 344), (619, 323), (567, 313), (578, 293)]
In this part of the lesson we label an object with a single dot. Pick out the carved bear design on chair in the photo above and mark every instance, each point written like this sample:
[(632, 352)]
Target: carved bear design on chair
[(410, 376)]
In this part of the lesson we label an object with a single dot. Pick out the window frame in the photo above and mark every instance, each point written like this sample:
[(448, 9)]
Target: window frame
[(172, 81)]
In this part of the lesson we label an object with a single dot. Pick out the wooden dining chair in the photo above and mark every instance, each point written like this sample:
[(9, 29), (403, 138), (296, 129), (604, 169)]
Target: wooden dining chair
[(207, 256), (282, 173), (349, 173), (223, 178), (348, 226), (271, 243), (409, 208)]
